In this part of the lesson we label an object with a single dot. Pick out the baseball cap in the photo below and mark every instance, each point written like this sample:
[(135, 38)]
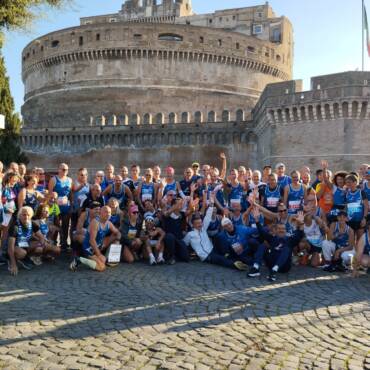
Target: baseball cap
[(195, 164), (279, 165), (93, 205), (149, 218), (225, 221), (342, 213)]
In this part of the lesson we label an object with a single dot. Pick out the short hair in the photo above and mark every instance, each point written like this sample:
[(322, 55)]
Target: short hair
[(319, 172), (267, 167), (352, 177), (28, 209)]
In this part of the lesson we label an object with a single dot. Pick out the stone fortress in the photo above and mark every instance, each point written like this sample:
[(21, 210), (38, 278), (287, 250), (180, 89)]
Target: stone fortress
[(156, 83)]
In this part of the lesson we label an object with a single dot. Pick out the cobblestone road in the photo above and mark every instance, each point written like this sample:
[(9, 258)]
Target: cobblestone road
[(187, 316)]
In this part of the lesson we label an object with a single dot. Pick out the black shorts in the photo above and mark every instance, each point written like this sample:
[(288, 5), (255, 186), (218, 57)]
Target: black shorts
[(354, 225), (314, 249)]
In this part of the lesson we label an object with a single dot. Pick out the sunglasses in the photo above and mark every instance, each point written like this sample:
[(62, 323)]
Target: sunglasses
[(64, 169), (282, 210), (135, 213)]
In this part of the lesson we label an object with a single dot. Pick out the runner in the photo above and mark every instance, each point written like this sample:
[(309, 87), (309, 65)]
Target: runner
[(25, 240), (357, 205), (119, 191), (295, 194), (147, 190), (343, 247), (62, 185), (29, 196), (100, 235)]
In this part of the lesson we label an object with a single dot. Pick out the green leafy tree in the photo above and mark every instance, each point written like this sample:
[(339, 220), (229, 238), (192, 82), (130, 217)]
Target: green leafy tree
[(9, 138), (15, 14), (18, 13)]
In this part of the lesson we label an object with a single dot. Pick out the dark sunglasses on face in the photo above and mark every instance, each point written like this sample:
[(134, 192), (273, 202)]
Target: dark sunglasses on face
[(135, 213), (282, 210)]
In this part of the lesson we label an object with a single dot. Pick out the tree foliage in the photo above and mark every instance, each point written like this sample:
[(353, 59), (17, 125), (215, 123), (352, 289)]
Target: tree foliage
[(9, 138), (15, 14)]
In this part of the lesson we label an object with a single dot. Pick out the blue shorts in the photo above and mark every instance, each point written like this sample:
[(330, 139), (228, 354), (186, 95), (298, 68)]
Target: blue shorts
[(88, 251)]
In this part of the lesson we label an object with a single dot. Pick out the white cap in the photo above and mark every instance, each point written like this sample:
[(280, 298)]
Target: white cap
[(280, 165), (225, 221)]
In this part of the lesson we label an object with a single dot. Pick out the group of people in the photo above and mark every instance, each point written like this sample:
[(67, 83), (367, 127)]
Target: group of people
[(240, 218)]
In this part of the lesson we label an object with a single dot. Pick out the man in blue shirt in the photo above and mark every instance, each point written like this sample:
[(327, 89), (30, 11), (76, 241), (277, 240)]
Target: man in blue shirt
[(278, 253), (236, 241)]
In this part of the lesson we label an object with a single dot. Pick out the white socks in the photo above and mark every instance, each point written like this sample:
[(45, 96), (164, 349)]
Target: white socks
[(89, 263)]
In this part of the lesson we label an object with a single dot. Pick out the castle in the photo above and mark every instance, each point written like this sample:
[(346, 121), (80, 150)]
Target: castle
[(177, 87)]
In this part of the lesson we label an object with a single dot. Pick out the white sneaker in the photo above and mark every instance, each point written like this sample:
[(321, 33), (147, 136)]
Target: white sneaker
[(152, 261), (160, 261), (36, 260)]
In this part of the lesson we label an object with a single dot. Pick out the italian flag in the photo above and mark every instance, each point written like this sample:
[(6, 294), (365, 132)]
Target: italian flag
[(366, 24)]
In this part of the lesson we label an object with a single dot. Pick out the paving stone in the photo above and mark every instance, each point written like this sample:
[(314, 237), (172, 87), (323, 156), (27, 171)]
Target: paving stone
[(205, 317)]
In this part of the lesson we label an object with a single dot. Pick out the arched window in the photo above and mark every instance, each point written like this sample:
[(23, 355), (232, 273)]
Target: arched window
[(122, 119), (239, 115), (159, 119), (184, 117), (147, 119), (172, 118), (198, 117), (211, 116), (225, 116), (135, 119)]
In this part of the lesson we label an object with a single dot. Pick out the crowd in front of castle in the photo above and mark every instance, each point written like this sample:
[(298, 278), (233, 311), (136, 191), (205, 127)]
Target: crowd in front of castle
[(237, 218)]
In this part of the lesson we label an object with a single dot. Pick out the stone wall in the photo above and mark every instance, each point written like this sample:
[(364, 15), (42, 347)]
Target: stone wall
[(176, 144), (331, 122), (132, 68)]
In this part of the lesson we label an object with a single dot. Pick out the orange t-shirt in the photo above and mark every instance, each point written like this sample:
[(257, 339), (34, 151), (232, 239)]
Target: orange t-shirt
[(326, 199)]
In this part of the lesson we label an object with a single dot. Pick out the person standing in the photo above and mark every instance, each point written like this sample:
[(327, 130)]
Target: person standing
[(62, 185)]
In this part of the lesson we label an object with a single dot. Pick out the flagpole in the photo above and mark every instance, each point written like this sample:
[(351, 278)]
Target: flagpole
[(363, 37)]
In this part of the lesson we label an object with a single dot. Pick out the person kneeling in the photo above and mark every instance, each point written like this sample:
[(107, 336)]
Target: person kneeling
[(154, 242), (100, 235), (278, 256), (25, 240)]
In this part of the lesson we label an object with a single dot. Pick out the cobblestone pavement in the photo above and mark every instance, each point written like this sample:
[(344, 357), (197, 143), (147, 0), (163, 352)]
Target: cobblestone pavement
[(186, 316)]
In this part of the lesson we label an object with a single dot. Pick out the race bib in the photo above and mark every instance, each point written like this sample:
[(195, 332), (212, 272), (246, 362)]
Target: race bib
[(295, 205), (272, 202), (353, 208), (238, 248), (62, 201), (132, 234), (235, 201), (147, 197), (23, 243)]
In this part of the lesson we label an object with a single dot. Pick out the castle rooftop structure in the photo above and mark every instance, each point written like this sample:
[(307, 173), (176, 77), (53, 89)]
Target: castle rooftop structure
[(153, 58)]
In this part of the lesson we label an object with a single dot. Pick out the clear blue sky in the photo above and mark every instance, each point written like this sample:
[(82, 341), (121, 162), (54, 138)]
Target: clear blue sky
[(327, 33)]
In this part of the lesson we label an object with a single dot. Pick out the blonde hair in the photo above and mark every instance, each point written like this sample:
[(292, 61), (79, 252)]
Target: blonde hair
[(27, 209)]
